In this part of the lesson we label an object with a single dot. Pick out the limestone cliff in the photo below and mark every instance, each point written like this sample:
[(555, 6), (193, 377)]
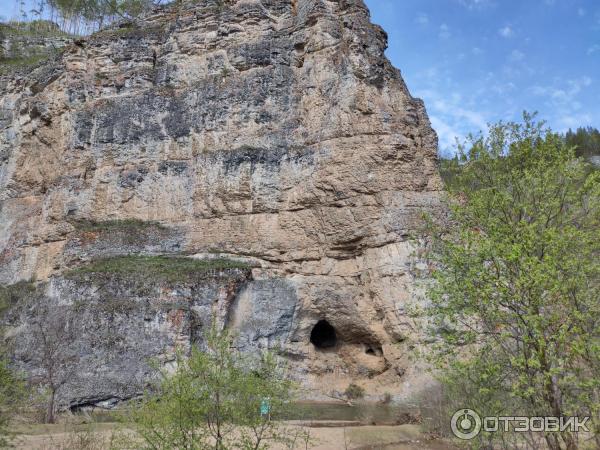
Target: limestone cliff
[(272, 132), (30, 40)]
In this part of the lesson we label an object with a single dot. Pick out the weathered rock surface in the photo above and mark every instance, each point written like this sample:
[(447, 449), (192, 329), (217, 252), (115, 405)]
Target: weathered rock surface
[(271, 130), (24, 40), (119, 325)]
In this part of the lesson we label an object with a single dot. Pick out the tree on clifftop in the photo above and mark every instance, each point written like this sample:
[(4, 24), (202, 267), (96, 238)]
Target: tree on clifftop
[(586, 140), (85, 16)]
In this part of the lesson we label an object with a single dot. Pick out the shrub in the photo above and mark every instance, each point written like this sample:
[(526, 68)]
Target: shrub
[(354, 392), (219, 399), (387, 398)]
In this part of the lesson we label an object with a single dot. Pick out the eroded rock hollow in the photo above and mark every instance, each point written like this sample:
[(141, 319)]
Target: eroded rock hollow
[(273, 134)]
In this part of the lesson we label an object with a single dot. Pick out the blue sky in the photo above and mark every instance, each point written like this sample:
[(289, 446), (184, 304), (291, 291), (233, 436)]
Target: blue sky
[(480, 61)]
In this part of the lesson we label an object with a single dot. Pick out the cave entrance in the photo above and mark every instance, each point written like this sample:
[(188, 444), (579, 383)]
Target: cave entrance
[(323, 335), (374, 350)]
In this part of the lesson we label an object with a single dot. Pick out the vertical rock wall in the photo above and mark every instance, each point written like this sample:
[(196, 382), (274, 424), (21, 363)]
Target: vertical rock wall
[(275, 132)]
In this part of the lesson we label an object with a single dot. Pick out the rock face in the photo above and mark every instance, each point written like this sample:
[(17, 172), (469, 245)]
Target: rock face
[(23, 40), (271, 131), (118, 326)]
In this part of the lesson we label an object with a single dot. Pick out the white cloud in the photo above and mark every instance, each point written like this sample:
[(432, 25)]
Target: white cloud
[(562, 99), (503, 88), (450, 118), (576, 120), (516, 69), (560, 96), (565, 94), (516, 56), (593, 49), (431, 73), (506, 32), (444, 32), (581, 12), (578, 84), (539, 90), (476, 51), (476, 4), (422, 19), (447, 135)]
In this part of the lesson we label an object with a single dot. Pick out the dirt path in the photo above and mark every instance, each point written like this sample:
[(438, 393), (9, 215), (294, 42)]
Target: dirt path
[(402, 437)]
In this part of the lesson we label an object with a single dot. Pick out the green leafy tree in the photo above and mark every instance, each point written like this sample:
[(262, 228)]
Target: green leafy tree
[(514, 296), (585, 139), (449, 169), (217, 398)]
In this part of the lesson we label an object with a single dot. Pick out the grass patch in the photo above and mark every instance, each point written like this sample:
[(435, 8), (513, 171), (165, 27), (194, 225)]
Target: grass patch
[(115, 32), (35, 28), (12, 294), (115, 225), (113, 305), (11, 65), (159, 268), (129, 32)]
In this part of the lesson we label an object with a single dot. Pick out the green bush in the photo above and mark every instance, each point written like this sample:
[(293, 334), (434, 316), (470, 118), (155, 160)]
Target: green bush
[(218, 398), (354, 392)]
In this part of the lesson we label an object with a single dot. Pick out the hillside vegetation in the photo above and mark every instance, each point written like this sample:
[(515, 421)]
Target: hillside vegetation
[(26, 44), (514, 292)]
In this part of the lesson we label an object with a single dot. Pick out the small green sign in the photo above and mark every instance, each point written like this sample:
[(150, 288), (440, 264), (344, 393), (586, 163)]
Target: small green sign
[(265, 407)]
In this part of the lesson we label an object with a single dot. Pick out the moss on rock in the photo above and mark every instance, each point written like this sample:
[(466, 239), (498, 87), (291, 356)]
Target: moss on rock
[(12, 294), (115, 225), (157, 268)]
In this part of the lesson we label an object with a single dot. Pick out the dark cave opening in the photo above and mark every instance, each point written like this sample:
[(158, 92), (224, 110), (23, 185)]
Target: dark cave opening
[(374, 350), (323, 335)]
